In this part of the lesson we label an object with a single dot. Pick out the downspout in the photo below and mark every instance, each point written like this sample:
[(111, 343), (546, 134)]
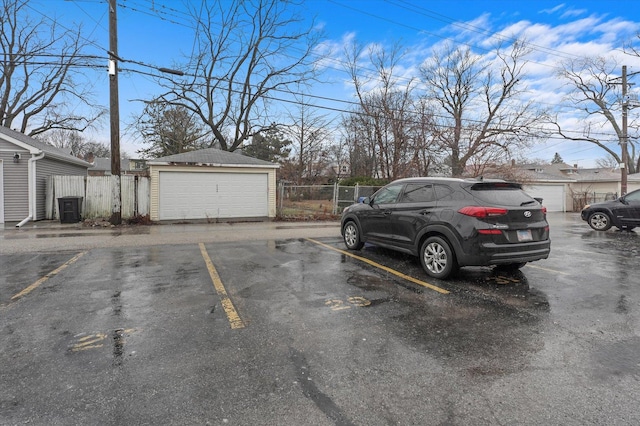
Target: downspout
[(31, 172)]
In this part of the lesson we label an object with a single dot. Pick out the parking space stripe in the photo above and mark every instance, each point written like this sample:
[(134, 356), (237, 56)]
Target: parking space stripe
[(384, 268), (49, 275), (232, 315), (529, 265)]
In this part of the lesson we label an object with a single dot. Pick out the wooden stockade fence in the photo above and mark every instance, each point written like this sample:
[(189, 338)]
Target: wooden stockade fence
[(97, 195)]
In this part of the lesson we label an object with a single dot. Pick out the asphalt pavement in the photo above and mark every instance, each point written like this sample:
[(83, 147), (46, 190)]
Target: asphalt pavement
[(276, 323), (53, 235)]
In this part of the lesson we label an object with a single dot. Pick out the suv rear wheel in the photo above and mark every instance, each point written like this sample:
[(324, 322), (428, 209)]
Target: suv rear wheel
[(437, 258)]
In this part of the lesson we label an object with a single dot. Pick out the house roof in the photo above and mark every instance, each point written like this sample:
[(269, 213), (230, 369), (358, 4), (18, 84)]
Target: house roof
[(102, 164), (212, 157), (635, 177), (36, 147), (546, 172), (562, 171)]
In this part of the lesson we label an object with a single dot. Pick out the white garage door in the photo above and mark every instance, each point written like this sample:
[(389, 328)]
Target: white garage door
[(553, 196), (189, 195)]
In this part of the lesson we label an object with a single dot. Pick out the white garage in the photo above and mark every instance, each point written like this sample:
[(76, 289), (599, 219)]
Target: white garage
[(553, 196), (211, 184)]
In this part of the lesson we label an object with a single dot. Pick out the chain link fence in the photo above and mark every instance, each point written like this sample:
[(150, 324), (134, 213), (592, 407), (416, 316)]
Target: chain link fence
[(317, 202), (581, 199)]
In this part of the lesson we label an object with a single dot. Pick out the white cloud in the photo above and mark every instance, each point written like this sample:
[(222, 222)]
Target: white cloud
[(553, 9), (571, 13)]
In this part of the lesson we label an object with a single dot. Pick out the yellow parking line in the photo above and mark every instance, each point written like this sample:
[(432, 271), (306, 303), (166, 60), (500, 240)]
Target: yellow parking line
[(49, 275), (384, 268), (529, 265), (227, 305)]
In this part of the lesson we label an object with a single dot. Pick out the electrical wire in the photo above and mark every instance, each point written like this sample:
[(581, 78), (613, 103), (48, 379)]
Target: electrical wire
[(171, 15)]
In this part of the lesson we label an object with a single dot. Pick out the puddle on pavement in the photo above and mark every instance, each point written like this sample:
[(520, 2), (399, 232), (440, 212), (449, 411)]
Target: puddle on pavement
[(58, 235), (118, 346), (116, 304), (613, 360), (367, 282), (330, 225)]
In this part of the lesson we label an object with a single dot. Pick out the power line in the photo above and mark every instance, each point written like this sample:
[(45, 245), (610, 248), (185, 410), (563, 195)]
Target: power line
[(343, 110), (171, 13), (466, 26)]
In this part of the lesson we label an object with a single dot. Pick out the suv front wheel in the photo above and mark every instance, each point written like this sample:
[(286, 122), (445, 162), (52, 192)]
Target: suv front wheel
[(437, 258), (599, 221), (352, 236)]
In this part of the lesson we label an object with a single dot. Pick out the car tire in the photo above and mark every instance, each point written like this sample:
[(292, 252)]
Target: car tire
[(437, 258), (351, 235), (599, 221), (511, 266)]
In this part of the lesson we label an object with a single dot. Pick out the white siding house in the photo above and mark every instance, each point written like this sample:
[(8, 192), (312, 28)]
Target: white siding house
[(25, 164)]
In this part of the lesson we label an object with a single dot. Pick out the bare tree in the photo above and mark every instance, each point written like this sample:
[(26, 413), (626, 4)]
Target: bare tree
[(598, 102), (387, 102), (428, 157), (246, 51), (480, 113), (168, 130), (74, 143), (39, 77), (608, 162), (359, 140), (339, 157), (309, 135)]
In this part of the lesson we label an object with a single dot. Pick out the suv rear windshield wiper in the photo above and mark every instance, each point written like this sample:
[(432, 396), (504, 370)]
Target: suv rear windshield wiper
[(528, 202)]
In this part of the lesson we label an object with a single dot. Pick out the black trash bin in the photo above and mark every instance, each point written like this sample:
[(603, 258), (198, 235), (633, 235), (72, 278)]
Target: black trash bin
[(70, 209)]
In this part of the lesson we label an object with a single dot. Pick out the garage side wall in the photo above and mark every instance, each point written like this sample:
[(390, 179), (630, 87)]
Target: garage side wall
[(155, 190), (15, 182)]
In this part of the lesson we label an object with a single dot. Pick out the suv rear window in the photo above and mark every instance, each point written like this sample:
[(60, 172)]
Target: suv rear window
[(501, 193)]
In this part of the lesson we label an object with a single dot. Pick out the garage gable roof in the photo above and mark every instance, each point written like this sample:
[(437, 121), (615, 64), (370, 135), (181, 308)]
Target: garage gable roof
[(34, 146), (212, 157)]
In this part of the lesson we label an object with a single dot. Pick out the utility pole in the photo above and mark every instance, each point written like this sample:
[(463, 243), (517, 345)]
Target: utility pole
[(114, 112), (623, 142)]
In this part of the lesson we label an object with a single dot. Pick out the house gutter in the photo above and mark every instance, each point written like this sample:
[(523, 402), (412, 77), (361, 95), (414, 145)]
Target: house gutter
[(31, 171)]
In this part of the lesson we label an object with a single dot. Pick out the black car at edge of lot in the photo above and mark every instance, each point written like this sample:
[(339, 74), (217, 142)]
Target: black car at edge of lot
[(450, 223), (623, 213)]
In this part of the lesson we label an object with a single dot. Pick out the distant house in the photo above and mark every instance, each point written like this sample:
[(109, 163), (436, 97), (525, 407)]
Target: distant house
[(211, 184), (135, 166), (566, 188), (101, 166), (25, 165)]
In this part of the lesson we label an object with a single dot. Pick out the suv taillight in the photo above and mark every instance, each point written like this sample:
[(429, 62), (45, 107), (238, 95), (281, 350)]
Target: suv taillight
[(482, 212)]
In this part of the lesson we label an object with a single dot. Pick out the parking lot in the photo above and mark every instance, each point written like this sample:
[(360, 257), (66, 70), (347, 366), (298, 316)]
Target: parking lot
[(277, 324)]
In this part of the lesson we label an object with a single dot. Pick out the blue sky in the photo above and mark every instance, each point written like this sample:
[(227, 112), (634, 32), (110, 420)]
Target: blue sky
[(158, 32)]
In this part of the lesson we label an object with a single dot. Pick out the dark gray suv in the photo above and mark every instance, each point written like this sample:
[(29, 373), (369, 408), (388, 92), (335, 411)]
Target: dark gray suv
[(450, 223), (623, 213)]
